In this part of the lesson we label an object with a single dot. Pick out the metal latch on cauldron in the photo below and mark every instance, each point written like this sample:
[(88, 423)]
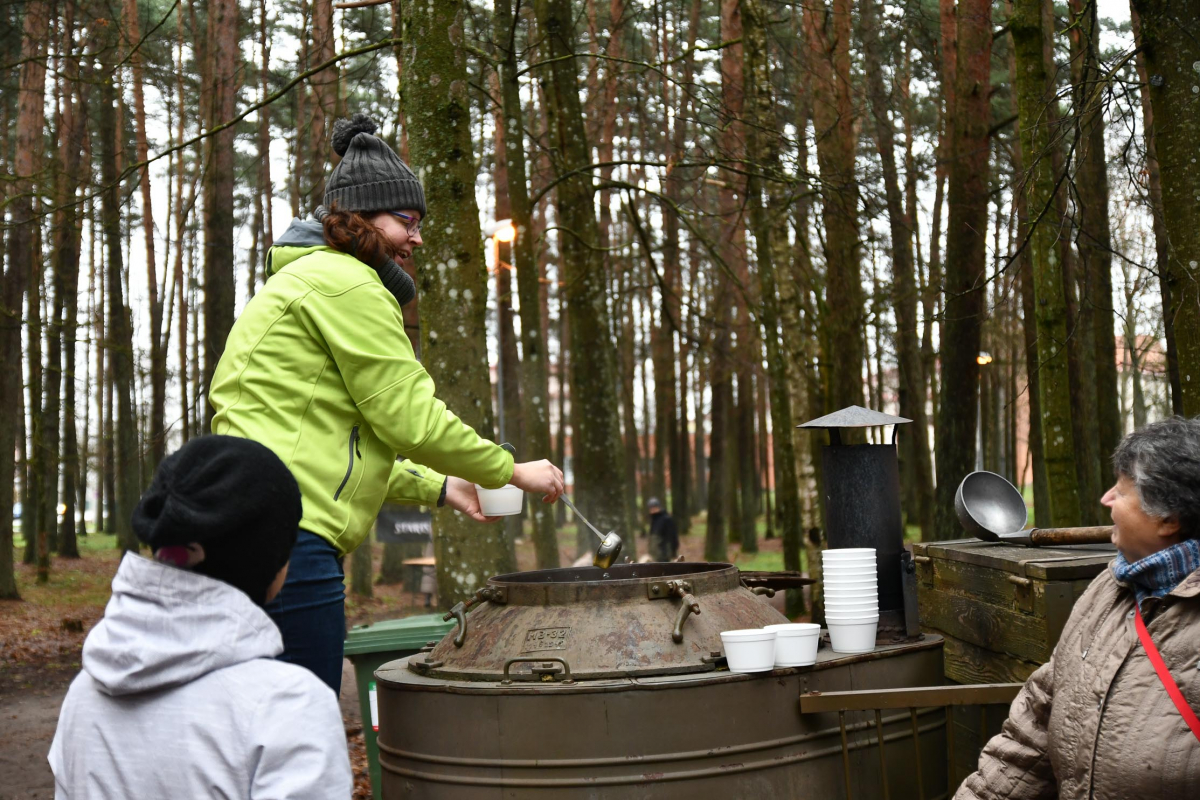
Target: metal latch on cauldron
[(543, 666), (660, 590), (489, 594)]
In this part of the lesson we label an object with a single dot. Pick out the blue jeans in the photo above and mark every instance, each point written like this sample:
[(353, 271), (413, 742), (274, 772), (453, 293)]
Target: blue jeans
[(310, 610)]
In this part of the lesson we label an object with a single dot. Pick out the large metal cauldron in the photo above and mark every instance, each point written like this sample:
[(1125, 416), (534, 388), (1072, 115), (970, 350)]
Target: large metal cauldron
[(583, 683)]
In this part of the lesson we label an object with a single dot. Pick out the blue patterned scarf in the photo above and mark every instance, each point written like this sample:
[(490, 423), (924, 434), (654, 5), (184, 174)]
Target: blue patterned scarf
[(1158, 573)]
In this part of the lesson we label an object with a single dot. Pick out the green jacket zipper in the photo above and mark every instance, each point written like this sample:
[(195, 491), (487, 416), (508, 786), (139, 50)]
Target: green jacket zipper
[(350, 466)]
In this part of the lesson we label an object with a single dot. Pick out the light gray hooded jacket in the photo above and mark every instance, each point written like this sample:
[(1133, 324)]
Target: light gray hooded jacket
[(180, 696)]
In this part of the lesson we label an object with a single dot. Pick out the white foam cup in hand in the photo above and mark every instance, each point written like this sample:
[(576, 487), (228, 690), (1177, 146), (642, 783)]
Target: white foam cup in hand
[(503, 502)]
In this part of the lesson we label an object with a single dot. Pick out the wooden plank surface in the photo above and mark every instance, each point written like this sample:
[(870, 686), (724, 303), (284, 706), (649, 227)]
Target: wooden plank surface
[(1044, 563), (988, 626), (967, 663)]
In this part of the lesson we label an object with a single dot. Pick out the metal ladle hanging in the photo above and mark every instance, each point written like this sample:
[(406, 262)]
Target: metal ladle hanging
[(610, 543)]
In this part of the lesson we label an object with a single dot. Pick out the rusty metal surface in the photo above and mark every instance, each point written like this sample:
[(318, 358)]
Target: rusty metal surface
[(909, 697), (714, 735), (631, 619)]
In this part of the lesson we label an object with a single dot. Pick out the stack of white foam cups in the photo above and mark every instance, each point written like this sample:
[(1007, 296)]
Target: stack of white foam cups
[(851, 598)]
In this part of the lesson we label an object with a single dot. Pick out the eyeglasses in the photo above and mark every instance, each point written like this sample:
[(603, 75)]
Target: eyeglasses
[(414, 224)]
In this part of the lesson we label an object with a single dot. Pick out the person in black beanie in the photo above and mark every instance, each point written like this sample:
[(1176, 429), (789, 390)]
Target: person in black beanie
[(664, 536), (224, 507), (183, 664)]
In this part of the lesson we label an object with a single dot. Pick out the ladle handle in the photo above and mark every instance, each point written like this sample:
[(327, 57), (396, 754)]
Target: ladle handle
[(1100, 534)]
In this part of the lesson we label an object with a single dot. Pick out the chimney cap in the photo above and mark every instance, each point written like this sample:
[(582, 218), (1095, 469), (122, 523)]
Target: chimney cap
[(854, 417)]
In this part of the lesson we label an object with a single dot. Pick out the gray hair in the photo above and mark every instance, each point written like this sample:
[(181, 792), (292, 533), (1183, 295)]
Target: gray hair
[(1163, 461)]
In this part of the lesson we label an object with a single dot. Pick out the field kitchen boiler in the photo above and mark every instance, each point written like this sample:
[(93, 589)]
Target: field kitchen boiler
[(590, 683)]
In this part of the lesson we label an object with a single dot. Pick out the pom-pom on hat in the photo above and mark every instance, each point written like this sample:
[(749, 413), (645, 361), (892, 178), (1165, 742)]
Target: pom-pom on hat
[(370, 176), (225, 507)]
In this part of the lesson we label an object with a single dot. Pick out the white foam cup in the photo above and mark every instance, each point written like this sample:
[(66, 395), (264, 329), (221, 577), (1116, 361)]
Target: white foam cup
[(869, 604), (795, 643), (851, 582), (749, 649), (858, 573), (852, 635), (502, 502)]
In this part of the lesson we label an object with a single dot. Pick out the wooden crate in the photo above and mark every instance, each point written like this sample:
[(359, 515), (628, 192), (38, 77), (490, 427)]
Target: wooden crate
[(1001, 609)]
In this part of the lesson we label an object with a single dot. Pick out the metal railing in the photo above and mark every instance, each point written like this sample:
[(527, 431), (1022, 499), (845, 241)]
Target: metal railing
[(927, 697)]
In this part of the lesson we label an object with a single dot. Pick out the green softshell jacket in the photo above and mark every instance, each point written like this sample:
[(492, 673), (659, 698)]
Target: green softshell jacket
[(318, 368)]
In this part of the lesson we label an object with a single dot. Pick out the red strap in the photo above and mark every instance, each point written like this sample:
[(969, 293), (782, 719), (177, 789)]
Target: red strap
[(1164, 675)]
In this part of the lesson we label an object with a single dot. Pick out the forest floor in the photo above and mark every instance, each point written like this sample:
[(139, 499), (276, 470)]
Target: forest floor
[(41, 640)]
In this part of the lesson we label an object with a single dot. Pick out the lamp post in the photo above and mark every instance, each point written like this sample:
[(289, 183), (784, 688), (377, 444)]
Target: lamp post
[(500, 231), (983, 359)]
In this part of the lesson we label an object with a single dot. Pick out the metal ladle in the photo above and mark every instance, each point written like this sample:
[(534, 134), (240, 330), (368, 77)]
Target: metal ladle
[(992, 509), (610, 543)]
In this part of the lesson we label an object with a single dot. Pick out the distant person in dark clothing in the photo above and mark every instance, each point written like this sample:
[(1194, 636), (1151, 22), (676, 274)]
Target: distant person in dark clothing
[(664, 536)]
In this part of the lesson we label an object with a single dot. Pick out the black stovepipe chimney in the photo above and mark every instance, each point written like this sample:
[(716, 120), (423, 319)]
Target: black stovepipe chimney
[(861, 489)]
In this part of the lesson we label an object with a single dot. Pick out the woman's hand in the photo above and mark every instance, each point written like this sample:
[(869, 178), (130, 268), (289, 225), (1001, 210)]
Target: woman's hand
[(539, 477), (461, 496)]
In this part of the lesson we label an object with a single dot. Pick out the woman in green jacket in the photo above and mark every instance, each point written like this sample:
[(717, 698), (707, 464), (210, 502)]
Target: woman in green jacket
[(319, 369)]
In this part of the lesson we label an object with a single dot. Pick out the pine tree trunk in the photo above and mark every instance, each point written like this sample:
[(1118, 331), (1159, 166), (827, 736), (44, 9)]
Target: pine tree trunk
[(325, 97), (904, 290), (361, 571), (120, 334), (534, 376), (828, 35), (223, 54), (596, 441), (966, 255), (1093, 238), (66, 291), (772, 250), (1172, 50), (181, 217), (158, 356), (1029, 29), (34, 517), (437, 104)]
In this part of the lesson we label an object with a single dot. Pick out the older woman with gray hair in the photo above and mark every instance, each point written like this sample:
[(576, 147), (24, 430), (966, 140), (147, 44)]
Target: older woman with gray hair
[(1113, 714)]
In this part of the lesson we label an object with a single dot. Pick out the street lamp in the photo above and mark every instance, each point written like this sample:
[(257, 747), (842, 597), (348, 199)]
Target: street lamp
[(501, 230), (983, 359)]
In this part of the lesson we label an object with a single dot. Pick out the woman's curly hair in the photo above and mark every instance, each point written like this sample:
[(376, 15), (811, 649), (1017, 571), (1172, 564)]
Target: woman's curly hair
[(1163, 461), (351, 233)]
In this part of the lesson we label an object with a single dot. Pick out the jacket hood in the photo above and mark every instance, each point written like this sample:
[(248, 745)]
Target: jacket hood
[(301, 238), (164, 627)]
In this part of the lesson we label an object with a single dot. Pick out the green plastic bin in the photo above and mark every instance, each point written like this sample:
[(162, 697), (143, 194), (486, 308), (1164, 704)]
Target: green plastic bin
[(370, 646)]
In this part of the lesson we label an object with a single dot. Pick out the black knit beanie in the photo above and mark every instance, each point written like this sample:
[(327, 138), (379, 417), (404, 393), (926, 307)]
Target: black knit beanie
[(370, 176), (235, 499)]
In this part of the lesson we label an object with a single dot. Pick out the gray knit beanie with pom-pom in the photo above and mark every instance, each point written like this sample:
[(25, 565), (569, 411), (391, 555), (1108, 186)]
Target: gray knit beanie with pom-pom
[(370, 176)]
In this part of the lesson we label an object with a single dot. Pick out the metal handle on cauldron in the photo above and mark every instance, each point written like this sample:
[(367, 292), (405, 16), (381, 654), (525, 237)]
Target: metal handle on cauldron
[(459, 610), (538, 660), (688, 605), (767, 590)]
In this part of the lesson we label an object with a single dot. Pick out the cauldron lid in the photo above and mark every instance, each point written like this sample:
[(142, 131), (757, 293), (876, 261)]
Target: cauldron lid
[(629, 620)]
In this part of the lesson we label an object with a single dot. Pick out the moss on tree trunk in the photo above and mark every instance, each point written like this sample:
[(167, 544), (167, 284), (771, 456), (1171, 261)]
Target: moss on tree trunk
[(1058, 442), (451, 279), (1172, 56)]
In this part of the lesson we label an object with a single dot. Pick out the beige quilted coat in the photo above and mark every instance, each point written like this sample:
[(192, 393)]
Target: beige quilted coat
[(1095, 722)]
